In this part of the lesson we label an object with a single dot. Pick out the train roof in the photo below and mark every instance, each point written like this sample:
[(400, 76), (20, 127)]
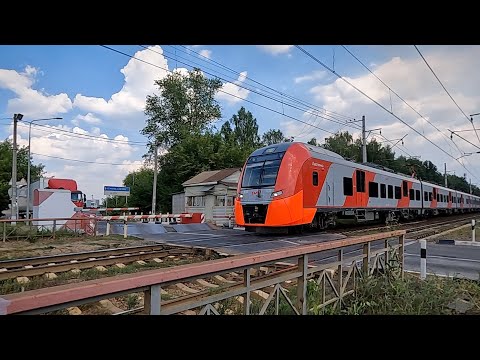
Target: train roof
[(322, 152), (281, 147)]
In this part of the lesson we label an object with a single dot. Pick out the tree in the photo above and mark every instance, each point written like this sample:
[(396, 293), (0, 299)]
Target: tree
[(6, 155), (313, 141), (196, 153), (186, 105), (245, 129), (342, 144), (273, 136), (140, 183)]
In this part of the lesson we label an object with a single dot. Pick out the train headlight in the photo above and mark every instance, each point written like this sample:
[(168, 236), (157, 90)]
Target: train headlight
[(277, 193), (240, 196)]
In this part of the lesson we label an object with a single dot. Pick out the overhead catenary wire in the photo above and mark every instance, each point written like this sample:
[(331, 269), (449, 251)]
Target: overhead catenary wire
[(220, 90), (380, 105), (54, 130), (444, 88), (266, 86), (306, 110), (82, 161), (396, 94)]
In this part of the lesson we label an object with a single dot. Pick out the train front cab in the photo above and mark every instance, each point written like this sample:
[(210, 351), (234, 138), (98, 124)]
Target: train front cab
[(270, 189)]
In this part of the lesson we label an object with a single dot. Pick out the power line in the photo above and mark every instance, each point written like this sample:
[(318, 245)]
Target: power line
[(259, 83), (240, 86), (391, 141), (444, 88), (461, 137), (395, 93), (220, 90), (82, 161), (376, 102), (54, 130)]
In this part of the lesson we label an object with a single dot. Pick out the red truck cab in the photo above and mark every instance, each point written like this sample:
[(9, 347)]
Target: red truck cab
[(78, 198)]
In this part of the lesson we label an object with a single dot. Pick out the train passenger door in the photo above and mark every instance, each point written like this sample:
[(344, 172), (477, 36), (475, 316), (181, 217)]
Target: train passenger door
[(329, 191), (360, 187)]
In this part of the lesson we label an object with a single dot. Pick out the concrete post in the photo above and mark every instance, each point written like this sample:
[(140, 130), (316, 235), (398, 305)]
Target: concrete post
[(125, 227), (108, 228), (423, 259), (473, 230)]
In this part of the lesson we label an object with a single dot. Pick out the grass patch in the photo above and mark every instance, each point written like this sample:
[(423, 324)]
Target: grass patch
[(464, 234), (385, 295)]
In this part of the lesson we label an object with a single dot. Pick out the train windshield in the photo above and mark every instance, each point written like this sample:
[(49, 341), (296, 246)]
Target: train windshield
[(76, 196), (261, 173)]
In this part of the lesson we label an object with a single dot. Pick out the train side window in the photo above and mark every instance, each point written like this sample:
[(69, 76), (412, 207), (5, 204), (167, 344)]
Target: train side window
[(383, 191), (398, 192), (412, 194), (360, 181), (405, 188), (430, 196), (347, 186), (315, 178), (417, 195), (390, 191), (425, 196), (373, 189), (438, 197)]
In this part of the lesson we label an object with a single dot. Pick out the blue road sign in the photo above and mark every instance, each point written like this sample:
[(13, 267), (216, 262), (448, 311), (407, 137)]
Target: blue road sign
[(116, 190)]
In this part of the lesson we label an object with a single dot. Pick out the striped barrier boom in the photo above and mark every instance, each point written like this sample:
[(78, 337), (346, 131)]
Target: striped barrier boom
[(140, 217), (111, 209)]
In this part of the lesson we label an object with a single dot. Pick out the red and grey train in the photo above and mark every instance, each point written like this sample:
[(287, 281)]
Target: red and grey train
[(296, 184)]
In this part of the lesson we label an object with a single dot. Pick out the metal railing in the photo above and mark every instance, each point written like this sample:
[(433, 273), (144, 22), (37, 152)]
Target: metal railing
[(337, 265), (30, 229)]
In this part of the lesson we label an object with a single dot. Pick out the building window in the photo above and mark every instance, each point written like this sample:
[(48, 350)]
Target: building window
[(412, 194), (383, 191), (220, 200), (196, 201), (315, 178), (398, 192), (347, 186), (360, 181), (405, 188), (390, 191)]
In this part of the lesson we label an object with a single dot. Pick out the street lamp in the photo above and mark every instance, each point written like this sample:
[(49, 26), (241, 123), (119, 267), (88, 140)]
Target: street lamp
[(28, 171)]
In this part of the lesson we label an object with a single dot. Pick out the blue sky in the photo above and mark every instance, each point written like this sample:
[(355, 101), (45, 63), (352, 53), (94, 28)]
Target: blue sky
[(101, 93)]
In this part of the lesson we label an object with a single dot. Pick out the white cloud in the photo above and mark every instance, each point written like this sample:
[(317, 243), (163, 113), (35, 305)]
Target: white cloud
[(89, 118), (90, 177), (139, 82), (234, 89), (29, 102), (315, 75), (276, 49), (206, 53), (411, 79)]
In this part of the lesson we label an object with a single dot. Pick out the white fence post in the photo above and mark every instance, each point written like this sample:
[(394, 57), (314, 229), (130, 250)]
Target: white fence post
[(423, 259), (108, 228), (473, 230), (125, 227)]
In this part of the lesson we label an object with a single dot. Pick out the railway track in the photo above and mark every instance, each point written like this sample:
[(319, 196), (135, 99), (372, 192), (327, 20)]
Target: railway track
[(34, 266), (415, 227)]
